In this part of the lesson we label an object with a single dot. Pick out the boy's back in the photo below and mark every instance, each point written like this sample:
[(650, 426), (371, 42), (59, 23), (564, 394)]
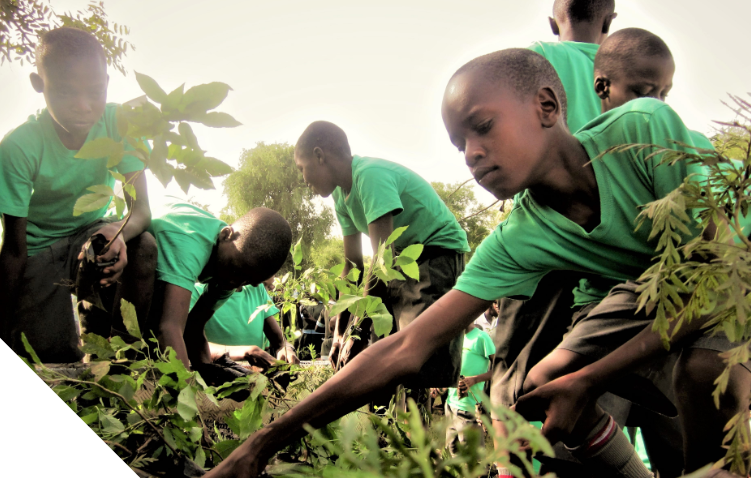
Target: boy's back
[(574, 63), (380, 187)]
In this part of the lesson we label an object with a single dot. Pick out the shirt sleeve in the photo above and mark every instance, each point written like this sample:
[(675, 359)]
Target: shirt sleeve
[(180, 260), (379, 192), (16, 179), (537, 48), (493, 274), (489, 345)]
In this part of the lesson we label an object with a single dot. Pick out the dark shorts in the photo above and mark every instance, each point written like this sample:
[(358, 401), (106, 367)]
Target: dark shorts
[(44, 311), (597, 330), (439, 270)]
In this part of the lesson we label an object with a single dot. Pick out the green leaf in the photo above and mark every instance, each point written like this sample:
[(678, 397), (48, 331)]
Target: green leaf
[(99, 370), (344, 303), (354, 275), (117, 176), (411, 270), (188, 135), (116, 157), (297, 252), (97, 345), (130, 190), (202, 98), (186, 403), (98, 148), (151, 88), (90, 202), (109, 424), (224, 448), (218, 120), (66, 393), (119, 206), (101, 189), (395, 235), (383, 321), (130, 320), (412, 251), (213, 166), (200, 458), (173, 99), (29, 349), (337, 269)]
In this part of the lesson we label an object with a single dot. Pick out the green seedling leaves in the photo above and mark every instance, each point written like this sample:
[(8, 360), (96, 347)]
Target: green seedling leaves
[(411, 270), (354, 275), (395, 235), (297, 252), (214, 167), (188, 135), (172, 102), (110, 425), (97, 345), (218, 120), (99, 370), (344, 303), (128, 312), (412, 252), (117, 176), (91, 202), (29, 349), (337, 270), (151, 88), (202, 98), (383, 321), (98, 148), (186, 403)]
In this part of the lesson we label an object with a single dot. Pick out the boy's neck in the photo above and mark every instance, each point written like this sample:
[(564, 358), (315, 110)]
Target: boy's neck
[(343, 174), (469, 329), (582, 33), (569, 185)]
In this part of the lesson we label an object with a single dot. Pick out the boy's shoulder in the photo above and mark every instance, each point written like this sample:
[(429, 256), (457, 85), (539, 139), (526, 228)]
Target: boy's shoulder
[(635, 115), (183, 217)]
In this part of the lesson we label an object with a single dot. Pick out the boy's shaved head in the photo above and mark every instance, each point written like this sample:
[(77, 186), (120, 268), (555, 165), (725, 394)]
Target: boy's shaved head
[(587, 11), (622, 48), (522, 70), (325, 135), (57, 47), (265, 238)]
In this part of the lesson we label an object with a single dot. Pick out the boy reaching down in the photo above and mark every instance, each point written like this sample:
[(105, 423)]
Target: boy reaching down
[(40, 181), (505, 111), (478, 353), (194, 246), (232, 331), (374, 197)]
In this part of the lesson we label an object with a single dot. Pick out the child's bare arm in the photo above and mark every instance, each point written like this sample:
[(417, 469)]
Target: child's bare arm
[(379, 367), (173, 317), (13, 256)]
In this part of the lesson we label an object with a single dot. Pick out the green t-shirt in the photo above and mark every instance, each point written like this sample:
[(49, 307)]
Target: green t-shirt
[(229, 324), (185, 236), (41, 180), (477, 348), (380, 187), (575, 64), (536, 239)]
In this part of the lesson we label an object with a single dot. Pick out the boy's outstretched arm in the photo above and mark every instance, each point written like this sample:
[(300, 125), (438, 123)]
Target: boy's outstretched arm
[(13, 256), (172, 320), (140, 220), (379, 367)]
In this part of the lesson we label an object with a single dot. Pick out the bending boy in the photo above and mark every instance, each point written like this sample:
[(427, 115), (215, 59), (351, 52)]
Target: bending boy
[(40, 181), (194, 246), (373, 197), (505, 111)]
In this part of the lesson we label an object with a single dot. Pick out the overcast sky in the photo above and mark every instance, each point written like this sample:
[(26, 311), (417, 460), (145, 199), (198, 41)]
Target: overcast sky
[(377, 69)]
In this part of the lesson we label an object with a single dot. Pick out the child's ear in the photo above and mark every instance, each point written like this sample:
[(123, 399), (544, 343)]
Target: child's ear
[(607, 21), (554, 26), (37, 82), (319, 155), (549, 107), (602, 87), (226, 234)]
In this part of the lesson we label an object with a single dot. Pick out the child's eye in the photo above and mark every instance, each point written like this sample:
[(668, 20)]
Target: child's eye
[(484, 127)]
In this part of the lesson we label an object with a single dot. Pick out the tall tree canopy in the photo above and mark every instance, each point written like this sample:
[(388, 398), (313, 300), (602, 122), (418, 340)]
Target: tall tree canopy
[(267, 176), (474, 218)]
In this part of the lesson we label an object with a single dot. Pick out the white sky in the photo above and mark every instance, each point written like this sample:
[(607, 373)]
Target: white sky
[(377, 69)]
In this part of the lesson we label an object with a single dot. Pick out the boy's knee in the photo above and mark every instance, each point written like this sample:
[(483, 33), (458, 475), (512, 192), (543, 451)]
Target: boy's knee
[(142, 252)]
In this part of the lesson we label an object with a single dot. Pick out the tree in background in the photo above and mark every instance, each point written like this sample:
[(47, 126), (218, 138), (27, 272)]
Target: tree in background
[(267, 176), (477, 220), (22, 21)]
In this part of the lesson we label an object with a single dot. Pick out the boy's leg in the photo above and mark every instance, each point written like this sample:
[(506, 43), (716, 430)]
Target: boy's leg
[(702, 422)]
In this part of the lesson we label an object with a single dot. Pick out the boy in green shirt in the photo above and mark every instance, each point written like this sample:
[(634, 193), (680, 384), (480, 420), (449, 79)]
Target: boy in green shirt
[(506, 113), (374, 197), (232, 331), (40, 181), (478, 353), (194, 246)]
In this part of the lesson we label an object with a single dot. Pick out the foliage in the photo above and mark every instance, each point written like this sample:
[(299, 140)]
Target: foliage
[(328, 253), (138, 124), (267, 176), (706, 276), (474, 218), (22, 21)]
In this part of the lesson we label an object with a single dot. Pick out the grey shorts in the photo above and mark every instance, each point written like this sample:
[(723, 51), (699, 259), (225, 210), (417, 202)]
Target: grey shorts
[(439, 270), (597, 330), (44, 311)]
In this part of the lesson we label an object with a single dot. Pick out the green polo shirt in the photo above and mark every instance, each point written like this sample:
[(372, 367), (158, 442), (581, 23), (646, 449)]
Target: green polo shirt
[(185, 236), (575, 64), (381, 187), (536, 239), (229, 325), (40, 179), (477, 348)]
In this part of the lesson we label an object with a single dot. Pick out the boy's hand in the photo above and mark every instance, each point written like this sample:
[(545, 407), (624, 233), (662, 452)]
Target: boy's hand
[(288, 355), (563, 400), (117, 253), (258, 357), (465, 384), (244, 462), (351, 349), (336, 347)]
